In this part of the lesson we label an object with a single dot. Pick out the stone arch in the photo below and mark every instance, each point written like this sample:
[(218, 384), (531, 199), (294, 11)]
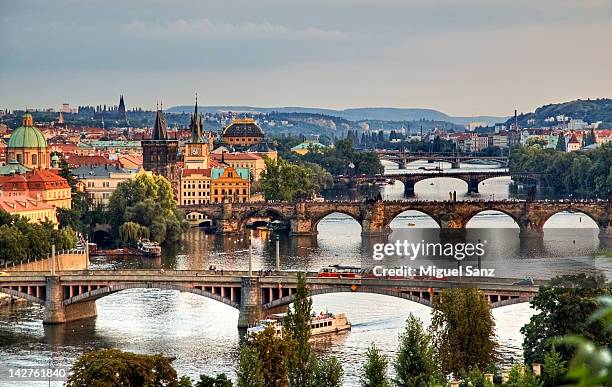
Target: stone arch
[(390, 217), (111, 289), (25, 296), (572, 210), (347, 289), (319, 217), (261, 212), (471, 215)]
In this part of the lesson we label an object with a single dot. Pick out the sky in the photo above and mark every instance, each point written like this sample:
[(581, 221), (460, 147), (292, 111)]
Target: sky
[(462, 57)]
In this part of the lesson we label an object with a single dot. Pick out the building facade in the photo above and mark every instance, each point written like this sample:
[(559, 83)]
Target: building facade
[(160, 153), (243, 132), (28, 146), (99, 182)]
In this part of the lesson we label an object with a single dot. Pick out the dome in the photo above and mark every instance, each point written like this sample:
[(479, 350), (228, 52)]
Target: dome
[(27, 136)]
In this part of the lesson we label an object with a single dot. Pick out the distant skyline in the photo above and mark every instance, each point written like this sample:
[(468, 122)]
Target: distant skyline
[(461, 57)]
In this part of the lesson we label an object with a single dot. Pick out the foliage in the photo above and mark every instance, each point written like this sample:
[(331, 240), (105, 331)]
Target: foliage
[(326, 373), (20, 239), (476, 378), (554, 368), (463, 329), (415, 365), (584, 173), (521, 377), (297, 326), (250, 373), (148, 201), (374, 373), (274, 352), (565, 307), (112, 367), (131, 232), (283, 180), (220, 380)]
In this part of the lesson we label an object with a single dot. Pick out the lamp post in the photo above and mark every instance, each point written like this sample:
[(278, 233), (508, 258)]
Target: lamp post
[(277, 253), (251, 253)]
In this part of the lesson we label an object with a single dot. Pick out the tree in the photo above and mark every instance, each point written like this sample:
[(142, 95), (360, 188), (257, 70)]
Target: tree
[(286, 181), (326, 373), (112, 367), (565, 307), (521, 377), (220, 380), (148, 201), (374, 373), (561, 143), (415, 365), (249, 370), (274, 352), (297, 326), (131, 232), (554, 368), (464, 330)]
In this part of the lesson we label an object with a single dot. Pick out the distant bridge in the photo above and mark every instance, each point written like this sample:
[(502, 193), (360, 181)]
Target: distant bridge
[(403, 158), (71, 295), (472, 178), (376, 216)]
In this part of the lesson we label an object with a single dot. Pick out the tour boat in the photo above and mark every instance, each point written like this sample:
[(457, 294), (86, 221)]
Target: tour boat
[(339, 271), (149, 248), (320, 324)]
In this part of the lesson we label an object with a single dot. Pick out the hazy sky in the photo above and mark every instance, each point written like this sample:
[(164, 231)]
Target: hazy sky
[(463, 57)]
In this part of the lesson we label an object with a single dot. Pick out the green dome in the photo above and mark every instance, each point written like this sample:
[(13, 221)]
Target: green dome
[(27, 136)]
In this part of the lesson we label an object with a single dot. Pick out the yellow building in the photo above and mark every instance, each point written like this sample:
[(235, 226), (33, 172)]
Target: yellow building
[(35, 211), (243, 132), (254, 163), (230, 185), (194, 187), (99, 182)]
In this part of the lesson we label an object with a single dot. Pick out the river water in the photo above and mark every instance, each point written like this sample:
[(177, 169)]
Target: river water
[(202, 335)]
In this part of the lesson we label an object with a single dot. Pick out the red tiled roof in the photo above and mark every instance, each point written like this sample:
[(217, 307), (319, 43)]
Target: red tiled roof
[(234, 156), (75, 160), (197, 171)]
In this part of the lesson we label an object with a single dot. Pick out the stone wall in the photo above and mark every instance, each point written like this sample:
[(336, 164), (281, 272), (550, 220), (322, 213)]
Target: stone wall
[(73, 261)]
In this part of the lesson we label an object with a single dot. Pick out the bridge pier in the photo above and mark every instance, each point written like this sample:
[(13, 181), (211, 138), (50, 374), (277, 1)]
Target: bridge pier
[(531, 232), (58, 313), (473, 186), (250, 302), (605, 236), (408, 188), (456, 164)]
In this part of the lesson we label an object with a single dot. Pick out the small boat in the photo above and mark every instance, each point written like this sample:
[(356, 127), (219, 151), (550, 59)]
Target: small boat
[(149, 248), (410, 224), (320, 324)]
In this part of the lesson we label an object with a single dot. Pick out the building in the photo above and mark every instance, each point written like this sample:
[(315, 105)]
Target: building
[(197, 150), (264, 149), (160, 152), (49, 187), (100, 181), (28, 145), (230, 185), (194, 186), (243, 132), (573, 144), (251, 161), (35, 211)]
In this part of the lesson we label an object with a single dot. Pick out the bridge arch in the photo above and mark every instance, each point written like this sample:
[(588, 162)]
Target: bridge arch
[(393, 215), (111, 289), (491, 211), (347, 289), (25, 296), (261, 213), (322, 215), (570, 210)]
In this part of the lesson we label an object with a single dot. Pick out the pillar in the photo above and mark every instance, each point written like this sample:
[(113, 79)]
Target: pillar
[(408, 188), (473, 185), (374, 220), (58, 313), (300, 223), (605, 236), (531, 231), (250, 302), (456, 164)]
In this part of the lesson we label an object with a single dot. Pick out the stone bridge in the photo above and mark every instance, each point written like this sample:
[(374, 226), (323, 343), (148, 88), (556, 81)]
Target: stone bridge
[(71, 295), (472, 178), (376, 216), (403, 158)]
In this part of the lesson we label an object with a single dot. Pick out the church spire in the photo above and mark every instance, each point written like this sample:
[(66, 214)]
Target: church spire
[(197, 133), (160, 129)]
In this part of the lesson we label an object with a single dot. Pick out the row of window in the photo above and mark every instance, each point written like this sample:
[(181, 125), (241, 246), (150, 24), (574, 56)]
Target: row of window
[(34, 159), (92, 184), (241, 199)]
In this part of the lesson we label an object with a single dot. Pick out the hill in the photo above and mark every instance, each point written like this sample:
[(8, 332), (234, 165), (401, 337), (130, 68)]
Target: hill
[(354, 114), (589, 110)]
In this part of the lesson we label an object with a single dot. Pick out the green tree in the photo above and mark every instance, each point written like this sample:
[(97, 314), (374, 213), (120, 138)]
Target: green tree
[(554, 368), (374, 373), (415, 364), (220, 380), (561, 143), (250, 368), (476, 378), (521, 377), (274, 352), (326, 373), (283, 180), (112, 367), (564, 309), (13, 244), (297, 326), (464, 330), (131, 232)]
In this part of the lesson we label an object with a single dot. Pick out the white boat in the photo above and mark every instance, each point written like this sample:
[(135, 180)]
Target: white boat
[(320, 324), (149, 248)]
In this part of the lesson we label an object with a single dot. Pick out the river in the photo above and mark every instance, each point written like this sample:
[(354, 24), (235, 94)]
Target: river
[(202, 335)]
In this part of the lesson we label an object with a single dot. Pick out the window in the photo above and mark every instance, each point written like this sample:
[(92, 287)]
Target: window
[(35, 159)]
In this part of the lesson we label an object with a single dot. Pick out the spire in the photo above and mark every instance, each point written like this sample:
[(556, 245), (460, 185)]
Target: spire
[(197, 134), (160, 130)]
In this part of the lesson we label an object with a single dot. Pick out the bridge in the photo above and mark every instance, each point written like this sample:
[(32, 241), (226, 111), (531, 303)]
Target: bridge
[(403, 158), (472, 178), (375, 217), (71, 295)]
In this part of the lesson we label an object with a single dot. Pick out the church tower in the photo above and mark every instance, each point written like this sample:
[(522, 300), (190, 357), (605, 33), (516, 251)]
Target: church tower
[(121, 113), (160, 152), (197, 150)]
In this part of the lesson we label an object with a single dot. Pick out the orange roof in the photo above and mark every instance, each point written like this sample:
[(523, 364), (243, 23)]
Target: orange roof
[(42, 178), (196, 171), (573, 140), (234, 156), (22, 203), (81, 160)]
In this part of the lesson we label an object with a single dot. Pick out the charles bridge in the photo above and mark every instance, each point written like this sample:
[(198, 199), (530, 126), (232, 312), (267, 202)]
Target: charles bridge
[(403, 158), (375, 216), (71, 295)]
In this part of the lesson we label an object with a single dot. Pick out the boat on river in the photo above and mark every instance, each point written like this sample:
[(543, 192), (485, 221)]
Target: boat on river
[(320, 324)]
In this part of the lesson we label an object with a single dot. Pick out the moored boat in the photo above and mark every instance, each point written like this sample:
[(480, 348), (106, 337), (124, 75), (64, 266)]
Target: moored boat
[(320, 324)]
